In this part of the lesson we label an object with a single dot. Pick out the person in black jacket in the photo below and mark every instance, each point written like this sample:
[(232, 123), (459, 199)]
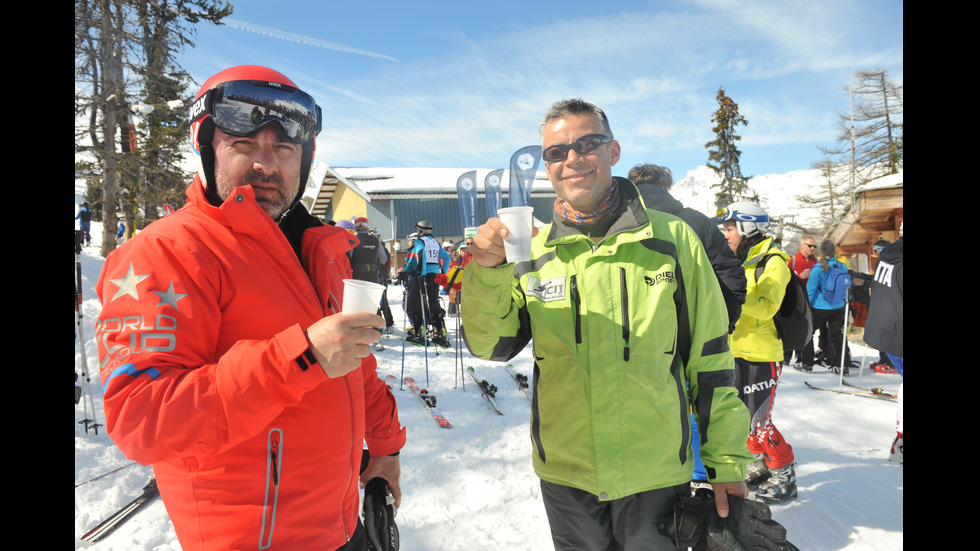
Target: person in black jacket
[(654, 183), (368, 262), (885, 329)]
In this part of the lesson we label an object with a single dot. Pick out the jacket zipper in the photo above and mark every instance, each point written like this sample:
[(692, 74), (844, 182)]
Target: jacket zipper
[(351, 466), (624, 299), (273, 470), (576, 303)]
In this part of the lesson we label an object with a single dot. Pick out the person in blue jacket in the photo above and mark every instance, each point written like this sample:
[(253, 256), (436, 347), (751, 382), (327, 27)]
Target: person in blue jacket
[(824, 281), (426, 259), (84, 218)]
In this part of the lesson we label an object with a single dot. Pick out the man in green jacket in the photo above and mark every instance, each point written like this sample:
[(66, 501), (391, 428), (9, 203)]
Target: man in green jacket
[(630, 332)]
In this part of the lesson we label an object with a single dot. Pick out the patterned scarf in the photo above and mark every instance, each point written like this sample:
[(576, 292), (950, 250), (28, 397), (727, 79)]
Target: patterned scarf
[(609, 203)]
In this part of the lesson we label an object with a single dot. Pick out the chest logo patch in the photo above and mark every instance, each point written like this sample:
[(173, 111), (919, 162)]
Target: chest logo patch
[(548, 290)]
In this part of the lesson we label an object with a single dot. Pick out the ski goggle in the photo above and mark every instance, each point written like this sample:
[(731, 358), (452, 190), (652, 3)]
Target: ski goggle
[(724, 213), (586, 144), (245, 107)]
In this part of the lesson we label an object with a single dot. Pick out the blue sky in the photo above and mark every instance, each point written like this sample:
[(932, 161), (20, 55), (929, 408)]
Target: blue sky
[(464, 84)]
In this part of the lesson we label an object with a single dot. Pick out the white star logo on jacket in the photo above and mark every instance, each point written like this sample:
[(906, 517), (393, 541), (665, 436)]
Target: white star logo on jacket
[(127, 285)]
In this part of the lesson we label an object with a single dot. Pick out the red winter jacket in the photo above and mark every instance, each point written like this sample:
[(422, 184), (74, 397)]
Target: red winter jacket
[(201, 348), (800, 263)]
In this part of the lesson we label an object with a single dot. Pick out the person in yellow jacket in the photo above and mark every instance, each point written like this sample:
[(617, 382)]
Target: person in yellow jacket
[(757, 348)]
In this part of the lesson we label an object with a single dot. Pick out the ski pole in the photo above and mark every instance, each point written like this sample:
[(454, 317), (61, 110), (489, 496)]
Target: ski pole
[(459, 336), (843, 339), (93, 422), (402, 379), (425, 334)]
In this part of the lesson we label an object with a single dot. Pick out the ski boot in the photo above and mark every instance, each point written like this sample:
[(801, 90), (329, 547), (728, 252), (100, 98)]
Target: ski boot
[(414, 335), (882, 367), (898, 449), (757, 473), (781, 485), (438, 336)]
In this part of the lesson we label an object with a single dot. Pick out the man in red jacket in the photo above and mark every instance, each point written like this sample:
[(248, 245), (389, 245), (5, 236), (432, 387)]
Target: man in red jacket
[(224, 358), (801, 263), (804, 260)]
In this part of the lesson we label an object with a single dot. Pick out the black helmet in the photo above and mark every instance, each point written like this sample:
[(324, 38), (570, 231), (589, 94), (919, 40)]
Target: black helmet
[(424, 227)]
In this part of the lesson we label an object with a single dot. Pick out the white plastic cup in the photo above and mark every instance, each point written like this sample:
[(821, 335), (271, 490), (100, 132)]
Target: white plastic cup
[(517, 244), (362, 297)]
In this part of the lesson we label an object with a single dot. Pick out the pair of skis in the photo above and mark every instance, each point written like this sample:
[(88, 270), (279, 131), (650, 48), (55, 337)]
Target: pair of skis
[(521, 380), (856, 390), (103, 529), (428, 400), (488, 390)]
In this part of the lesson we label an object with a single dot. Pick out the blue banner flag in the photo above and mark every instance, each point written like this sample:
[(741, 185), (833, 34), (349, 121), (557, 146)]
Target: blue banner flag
[(466, 191), (491, 186), (523, 167)]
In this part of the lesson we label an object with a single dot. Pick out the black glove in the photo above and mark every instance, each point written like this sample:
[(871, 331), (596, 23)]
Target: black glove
[(688, 523), (379, 516), (748, 527)]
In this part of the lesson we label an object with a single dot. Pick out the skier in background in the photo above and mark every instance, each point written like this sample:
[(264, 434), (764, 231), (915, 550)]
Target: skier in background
[(425, 259), (758, 349), (84, 218), (885, 328)]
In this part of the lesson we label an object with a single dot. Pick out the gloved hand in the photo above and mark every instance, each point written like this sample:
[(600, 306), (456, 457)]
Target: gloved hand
[(749, 526), (379, 516), (688, 524)]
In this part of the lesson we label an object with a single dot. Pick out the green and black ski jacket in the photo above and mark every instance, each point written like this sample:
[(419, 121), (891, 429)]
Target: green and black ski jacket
[(629, 335)]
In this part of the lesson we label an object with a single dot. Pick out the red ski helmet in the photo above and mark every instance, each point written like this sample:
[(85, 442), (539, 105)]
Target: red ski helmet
[(361, 223), (244, 100)]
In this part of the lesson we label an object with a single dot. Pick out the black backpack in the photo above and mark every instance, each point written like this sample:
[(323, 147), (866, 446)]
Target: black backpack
[(794, 321)]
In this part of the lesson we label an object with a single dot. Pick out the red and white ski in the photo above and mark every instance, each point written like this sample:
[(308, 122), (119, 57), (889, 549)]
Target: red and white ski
[(428, 401)]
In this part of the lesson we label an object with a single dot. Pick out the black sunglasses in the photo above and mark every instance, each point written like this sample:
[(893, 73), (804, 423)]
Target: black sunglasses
[(583, 145)]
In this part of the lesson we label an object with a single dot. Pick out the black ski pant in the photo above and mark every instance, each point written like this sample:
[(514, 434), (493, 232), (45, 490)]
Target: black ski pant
[(426, 289), (830, 322), (583, 522)]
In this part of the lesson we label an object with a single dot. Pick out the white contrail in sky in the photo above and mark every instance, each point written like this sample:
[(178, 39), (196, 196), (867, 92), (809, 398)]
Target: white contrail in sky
[(301, 39)]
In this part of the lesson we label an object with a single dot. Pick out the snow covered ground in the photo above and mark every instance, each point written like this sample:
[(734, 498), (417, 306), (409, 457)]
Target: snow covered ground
[(472, 487)]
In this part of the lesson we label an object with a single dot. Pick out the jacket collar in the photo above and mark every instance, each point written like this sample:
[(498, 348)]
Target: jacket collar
[(243, 215), (630, 216), (761, 249)]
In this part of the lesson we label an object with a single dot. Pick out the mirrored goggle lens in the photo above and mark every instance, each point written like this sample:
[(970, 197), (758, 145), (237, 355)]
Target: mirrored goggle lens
[(242, 108), (583, 145)]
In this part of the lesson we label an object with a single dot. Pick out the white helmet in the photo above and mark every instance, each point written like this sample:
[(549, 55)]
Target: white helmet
[(749, 218)]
